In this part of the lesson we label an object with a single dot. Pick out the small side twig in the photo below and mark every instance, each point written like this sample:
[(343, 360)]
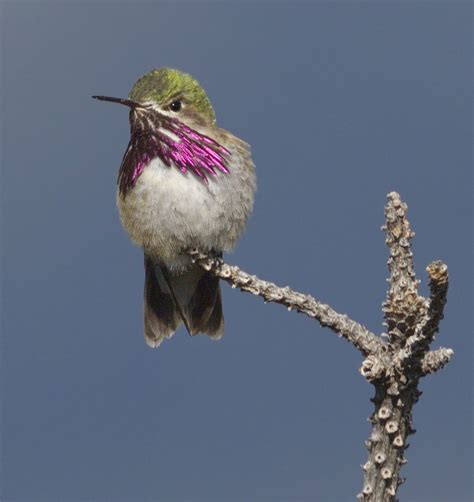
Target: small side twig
[(435, 360)]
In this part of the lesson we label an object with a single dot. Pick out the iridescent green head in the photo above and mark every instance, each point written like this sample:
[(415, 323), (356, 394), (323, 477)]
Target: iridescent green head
[(175, 91)]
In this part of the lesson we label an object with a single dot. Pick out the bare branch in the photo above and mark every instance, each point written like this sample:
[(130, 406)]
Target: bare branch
[(439, 281), (394, 368), (412, 322), (365, 341), (431, 313), (403, 302), (435, 360)]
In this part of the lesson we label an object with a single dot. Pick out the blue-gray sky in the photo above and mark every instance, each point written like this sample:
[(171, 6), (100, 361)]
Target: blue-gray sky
[(342, 102)]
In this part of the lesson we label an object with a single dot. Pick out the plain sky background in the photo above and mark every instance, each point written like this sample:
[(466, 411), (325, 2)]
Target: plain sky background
[(342, 102)]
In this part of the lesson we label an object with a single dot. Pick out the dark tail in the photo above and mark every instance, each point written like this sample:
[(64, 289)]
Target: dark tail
[(192, 297)]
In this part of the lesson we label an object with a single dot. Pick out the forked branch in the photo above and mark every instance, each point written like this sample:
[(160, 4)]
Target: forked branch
[(393, 364)]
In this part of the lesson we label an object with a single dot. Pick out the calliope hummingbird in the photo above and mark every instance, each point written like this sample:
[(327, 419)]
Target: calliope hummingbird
[(183, 183)]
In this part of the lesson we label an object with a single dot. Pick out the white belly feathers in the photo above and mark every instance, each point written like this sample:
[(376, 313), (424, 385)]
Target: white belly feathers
[(168, 211)]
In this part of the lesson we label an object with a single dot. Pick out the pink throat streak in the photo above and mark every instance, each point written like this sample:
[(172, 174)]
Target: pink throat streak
[(182, 148)]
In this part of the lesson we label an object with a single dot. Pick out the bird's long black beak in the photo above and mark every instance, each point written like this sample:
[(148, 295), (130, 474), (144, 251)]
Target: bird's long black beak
[(121, 101)]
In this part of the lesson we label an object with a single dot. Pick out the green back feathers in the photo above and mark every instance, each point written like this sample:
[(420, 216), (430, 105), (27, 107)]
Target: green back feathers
[(165, 84)]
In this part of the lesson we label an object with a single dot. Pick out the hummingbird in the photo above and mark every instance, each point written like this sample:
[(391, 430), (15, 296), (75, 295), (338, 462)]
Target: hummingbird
[(184, 183)]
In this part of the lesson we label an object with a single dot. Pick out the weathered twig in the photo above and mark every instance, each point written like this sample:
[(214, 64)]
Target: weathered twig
[(434, 361), (394, 366), (355, 333), (411, 322)]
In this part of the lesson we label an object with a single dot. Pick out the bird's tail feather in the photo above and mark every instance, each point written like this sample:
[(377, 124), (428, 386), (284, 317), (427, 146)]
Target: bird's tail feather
[(192, 297)]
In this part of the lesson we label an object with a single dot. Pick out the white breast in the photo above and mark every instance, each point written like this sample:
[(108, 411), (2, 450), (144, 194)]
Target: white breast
[(168, 211)]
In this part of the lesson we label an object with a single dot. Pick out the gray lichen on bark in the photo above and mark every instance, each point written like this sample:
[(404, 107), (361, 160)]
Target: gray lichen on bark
[(394, 362)]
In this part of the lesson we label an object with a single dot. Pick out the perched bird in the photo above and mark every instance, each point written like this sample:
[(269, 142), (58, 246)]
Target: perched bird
[(183, 183)]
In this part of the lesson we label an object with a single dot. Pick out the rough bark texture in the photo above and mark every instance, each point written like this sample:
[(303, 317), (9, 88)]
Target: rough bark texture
[(394, 362)]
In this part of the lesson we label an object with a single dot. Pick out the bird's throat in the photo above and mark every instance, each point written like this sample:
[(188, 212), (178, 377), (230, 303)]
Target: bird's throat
[(175, 143)]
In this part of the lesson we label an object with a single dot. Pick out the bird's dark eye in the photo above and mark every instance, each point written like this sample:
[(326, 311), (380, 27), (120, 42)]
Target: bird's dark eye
[(176, 105)]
